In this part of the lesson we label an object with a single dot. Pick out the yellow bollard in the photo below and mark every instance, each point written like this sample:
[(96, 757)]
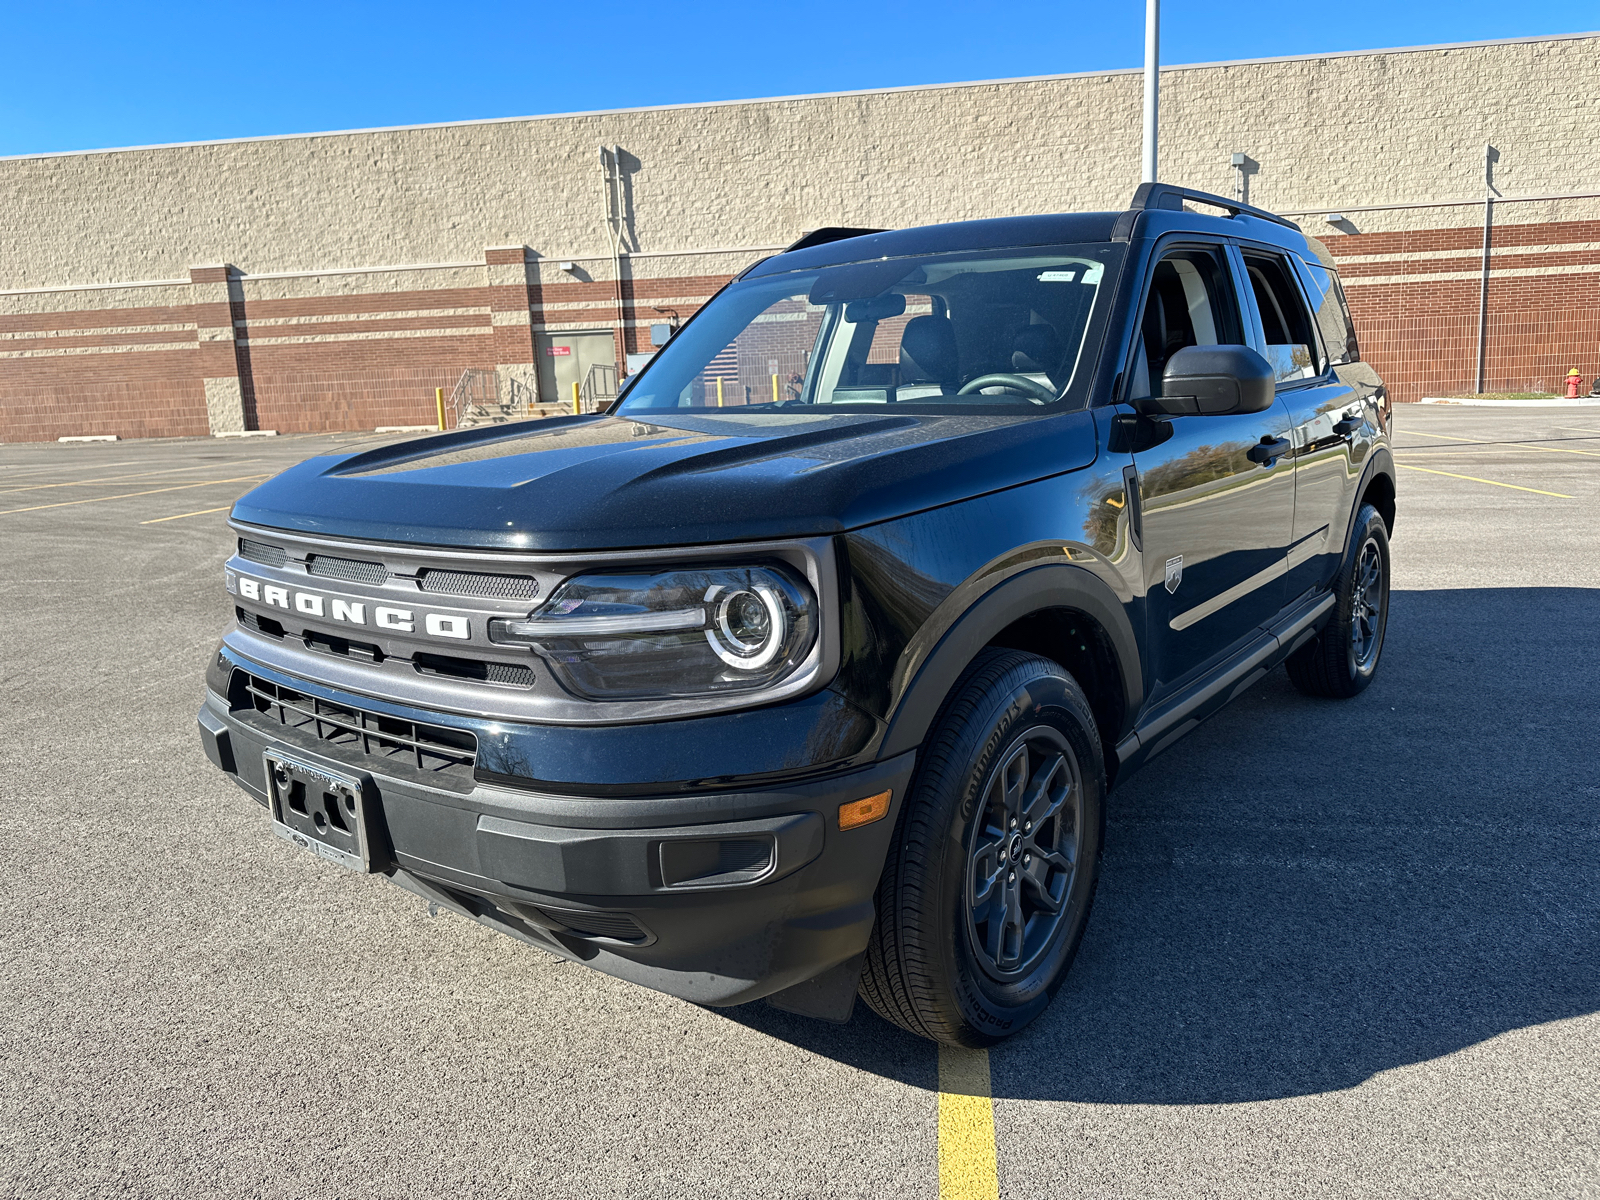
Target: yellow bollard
[(438, 397), (775, 389), (719, 391), (577, 405)]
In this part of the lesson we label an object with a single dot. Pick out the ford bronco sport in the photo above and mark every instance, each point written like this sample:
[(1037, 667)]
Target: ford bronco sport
[(804, 671)]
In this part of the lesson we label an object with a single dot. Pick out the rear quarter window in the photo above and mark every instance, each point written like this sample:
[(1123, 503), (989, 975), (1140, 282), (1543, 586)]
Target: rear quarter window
[(1332, 313)]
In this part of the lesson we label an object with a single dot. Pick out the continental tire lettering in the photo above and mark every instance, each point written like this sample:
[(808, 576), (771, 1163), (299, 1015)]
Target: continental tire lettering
[(398, 619)]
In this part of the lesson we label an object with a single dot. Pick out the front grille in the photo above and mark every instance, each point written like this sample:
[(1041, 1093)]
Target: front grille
[(351, 570), (257, 624), (353, 734), (475, 583), (270, 556), (509, 674), (618, 926), (329, 643)]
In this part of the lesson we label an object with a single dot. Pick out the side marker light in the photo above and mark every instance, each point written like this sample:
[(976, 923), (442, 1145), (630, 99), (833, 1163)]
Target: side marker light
[(864, 812)]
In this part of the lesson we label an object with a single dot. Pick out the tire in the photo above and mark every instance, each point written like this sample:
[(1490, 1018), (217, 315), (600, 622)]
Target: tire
[(1343, 659), (1015, 738)]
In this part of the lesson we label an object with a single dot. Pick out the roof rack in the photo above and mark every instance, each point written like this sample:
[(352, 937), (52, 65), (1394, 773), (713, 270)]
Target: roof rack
[(1170, 196), (821, 237)]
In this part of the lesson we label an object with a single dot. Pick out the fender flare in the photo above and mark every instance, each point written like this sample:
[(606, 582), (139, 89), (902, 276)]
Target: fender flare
[(1379, 462), (1053, 585)]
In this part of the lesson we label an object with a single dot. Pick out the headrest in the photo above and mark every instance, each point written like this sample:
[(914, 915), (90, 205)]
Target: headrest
[(928, 351), (1036, 350)]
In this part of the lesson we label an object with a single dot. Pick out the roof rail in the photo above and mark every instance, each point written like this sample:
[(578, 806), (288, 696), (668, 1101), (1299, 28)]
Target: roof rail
[(821, 237), (1170, 196)]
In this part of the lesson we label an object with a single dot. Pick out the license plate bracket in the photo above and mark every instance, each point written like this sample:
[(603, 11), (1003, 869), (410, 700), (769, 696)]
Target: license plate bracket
[(319, 810)]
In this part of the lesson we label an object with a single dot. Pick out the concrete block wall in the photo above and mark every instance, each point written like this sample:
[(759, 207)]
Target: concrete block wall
[(368, 266)]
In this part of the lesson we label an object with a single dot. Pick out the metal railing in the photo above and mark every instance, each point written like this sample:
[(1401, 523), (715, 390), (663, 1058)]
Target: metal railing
[(599, 387), (482, 396)]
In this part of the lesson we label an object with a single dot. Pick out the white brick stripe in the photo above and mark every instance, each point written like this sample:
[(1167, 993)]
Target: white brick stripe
[(63, 351), (1505, 273)]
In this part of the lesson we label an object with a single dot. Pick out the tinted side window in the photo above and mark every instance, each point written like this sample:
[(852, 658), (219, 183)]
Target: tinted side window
[(1333, 314), (1291, 345), (1190, 303)]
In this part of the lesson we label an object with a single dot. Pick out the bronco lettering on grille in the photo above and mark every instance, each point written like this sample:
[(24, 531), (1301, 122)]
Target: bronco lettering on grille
[(350, 612)]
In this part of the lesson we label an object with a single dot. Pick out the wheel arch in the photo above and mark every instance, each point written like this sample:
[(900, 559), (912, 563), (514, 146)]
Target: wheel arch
[(1378, 488), (1061, 612)]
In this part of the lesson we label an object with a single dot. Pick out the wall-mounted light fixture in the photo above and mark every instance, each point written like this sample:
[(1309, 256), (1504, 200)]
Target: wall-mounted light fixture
[(1242, 165)]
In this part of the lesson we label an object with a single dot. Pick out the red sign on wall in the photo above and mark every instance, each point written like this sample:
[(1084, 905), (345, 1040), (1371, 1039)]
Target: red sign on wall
[(559, 351)]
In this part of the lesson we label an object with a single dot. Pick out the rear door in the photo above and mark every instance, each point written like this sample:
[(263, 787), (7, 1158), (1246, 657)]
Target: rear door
[(1216, 493), (1326, 412)]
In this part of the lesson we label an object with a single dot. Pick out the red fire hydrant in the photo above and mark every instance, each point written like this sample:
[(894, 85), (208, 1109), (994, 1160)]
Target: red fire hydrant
[(1574, 382)]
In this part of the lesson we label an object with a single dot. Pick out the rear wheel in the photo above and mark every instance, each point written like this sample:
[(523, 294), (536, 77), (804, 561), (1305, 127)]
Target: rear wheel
[(989, 882), (1342, 660)]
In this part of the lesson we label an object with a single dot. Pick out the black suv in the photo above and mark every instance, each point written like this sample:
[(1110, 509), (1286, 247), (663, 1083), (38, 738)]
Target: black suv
[(806, 668)]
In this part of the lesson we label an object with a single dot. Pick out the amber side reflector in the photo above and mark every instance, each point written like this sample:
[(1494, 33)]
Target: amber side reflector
[(864, 812)]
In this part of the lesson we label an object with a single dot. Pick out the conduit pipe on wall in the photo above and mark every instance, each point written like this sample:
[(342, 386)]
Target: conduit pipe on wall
[(611, 169), (1490, 155)]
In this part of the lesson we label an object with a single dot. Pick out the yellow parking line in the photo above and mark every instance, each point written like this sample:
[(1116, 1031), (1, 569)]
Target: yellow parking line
[(179, 516), (1506, 445), (967, 1169), (1494, 482), (108, 479), (126, 495)]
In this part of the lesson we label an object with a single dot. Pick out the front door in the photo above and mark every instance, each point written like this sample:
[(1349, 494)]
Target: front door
[(565, 359), (1216, 493)]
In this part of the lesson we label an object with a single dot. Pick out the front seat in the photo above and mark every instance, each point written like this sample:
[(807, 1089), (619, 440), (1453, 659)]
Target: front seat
[(1036, 350), (929, 362)]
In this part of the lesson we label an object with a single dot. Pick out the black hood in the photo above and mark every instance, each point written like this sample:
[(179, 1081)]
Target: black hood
[(598, 483)]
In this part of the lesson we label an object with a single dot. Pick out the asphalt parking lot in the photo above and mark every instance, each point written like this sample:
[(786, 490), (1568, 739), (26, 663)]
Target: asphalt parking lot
[(1342, 949)]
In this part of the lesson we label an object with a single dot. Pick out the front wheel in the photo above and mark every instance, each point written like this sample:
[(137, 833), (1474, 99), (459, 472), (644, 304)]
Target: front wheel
[(1342, 660), (988, 886)]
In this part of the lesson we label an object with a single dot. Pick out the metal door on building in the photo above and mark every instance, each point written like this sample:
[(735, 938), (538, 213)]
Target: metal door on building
[(565, 359)]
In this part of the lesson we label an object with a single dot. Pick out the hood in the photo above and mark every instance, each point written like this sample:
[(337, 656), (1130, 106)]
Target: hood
[(603, 483)]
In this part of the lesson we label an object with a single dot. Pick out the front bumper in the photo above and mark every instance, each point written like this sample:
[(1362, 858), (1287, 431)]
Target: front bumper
[(713, 894)]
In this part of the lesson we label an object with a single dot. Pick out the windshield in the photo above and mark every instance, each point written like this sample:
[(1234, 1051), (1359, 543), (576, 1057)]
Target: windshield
[(991, 332)]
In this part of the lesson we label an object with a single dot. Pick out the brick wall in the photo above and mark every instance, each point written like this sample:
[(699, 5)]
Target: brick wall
[(1415, 297)]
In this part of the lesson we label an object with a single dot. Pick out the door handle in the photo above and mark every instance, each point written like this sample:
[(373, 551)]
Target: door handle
[(1269, 450), (1348, 426)]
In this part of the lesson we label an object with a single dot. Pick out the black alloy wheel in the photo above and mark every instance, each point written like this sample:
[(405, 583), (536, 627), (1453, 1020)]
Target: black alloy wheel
[(1343, 658), (1023, 851), (992, 873)]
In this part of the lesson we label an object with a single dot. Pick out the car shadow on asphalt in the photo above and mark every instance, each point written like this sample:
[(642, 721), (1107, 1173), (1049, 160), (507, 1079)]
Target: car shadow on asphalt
[(1304, 893)]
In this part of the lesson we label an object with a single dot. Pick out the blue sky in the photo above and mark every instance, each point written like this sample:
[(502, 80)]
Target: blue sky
[(81, 75)]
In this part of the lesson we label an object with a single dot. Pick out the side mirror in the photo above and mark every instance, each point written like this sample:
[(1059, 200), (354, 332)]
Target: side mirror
[(1212, 381)]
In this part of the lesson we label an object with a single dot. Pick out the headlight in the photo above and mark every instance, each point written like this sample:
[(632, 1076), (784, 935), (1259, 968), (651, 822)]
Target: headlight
[(682, 633)]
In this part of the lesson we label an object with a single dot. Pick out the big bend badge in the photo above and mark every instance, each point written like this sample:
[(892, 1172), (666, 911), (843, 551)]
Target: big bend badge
[(1174, 574)]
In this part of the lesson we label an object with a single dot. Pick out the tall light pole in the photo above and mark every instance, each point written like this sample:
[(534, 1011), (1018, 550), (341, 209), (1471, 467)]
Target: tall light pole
[(1152, 84)]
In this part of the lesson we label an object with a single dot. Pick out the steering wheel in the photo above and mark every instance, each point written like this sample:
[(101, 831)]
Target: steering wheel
[(1032, 388)]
